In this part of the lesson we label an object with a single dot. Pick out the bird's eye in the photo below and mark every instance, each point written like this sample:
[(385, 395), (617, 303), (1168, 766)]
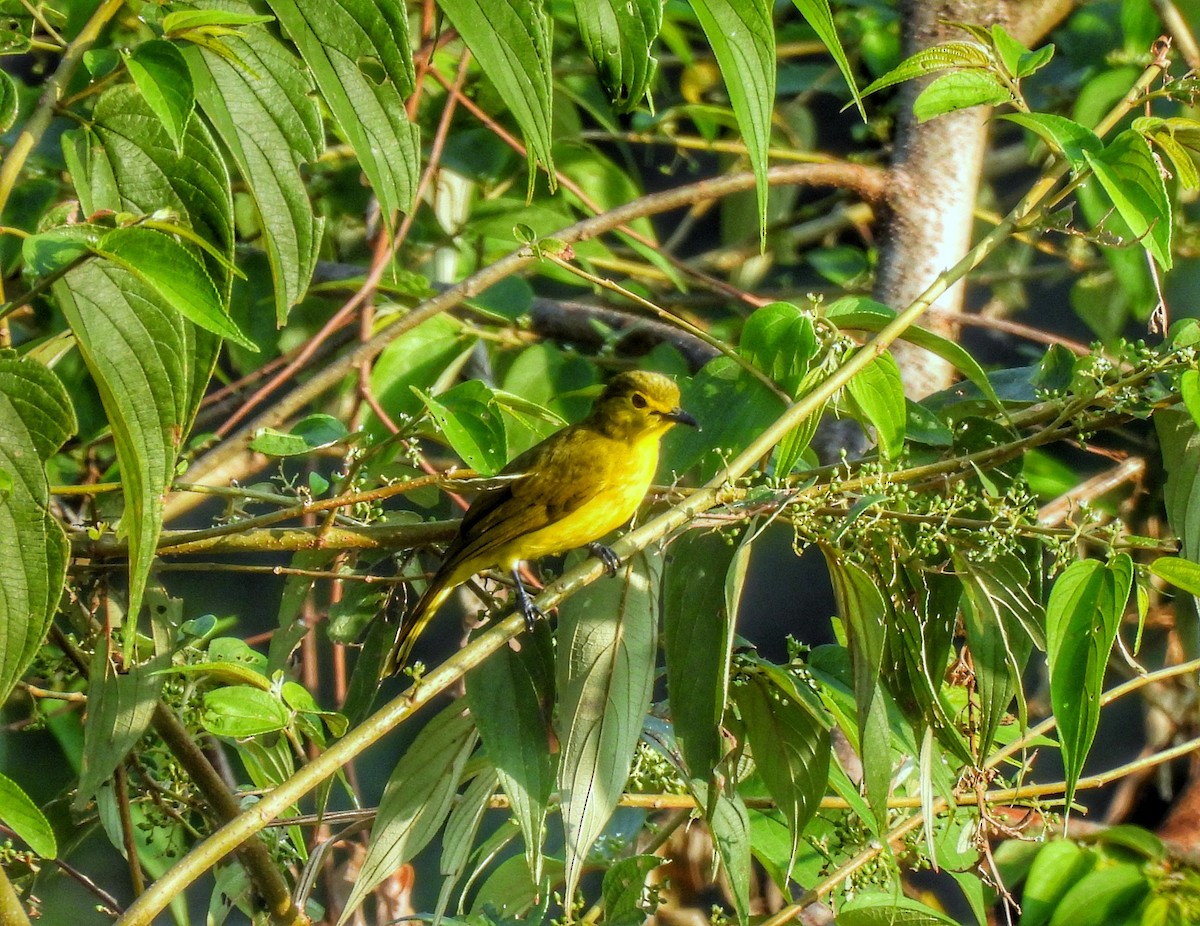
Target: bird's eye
[(638, 400)]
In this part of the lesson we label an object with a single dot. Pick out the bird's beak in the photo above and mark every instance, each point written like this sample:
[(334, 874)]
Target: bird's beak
[(679, 416)]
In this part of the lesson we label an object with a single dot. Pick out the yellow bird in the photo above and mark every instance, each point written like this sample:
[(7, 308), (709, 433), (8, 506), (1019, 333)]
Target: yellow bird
[(566, 492)]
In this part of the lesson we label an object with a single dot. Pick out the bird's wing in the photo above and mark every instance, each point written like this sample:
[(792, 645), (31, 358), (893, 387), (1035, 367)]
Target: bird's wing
[(550, 481)]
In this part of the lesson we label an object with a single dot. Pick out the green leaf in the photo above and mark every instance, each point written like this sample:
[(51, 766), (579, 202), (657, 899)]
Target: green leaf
[(922, 426), (416, 800), (261, 109), (1181, 159), (512, 40), (791, 747), (820, 19), (1182, 573), (742, 36), (1060, 864), (1003, 621), (176, 276), (878, 391), (795, 443), (368, 670), (9, 101), (417, 358), (1106, 301), (697, 639), (865, 616), (917, 650), (605, 676), (462, 825), (157, 838), (16, 28), (24, 818), (36, 418), (336, 40), (187, 20), (1135, 839), (1063, 136), (1127, 171), (1018, 60), (959, 90), (349, 617), (881, 908), (624, 889), (709, 395), (1008, 49), (226, 672), (232, 889), (730, 828), (510, 891), (930, 61), (771, 845), (530, 414), (52, 252), (236, 651), (1082, 617), (1033, 61), (780, 340), (1179, 138), (957, 854), (100, 62), (161, 75), (139, 352), (241, 710), (300, 700), (120, 707), (1107, 895), (1179, 438), (129, 163), (510, 694), (1055, 370), (308, 434), (618, 36), (863, 314), (462, 828), (470, 420)]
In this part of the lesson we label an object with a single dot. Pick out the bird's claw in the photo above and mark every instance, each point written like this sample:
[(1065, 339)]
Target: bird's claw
[(605, 555), (531, 612), (525, 605)]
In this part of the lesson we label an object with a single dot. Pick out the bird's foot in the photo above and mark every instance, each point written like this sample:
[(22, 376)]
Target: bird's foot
[(531, 612), (525, 605), (605, 555)]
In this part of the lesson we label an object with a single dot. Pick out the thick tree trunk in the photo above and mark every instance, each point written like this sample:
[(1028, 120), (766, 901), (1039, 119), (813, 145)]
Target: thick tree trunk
[(935, 176)]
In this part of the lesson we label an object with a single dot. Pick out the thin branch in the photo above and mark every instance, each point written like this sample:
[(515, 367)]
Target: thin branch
[(121, 791), (1132, 469), (279, 540), (1181, 32), (11, 910)]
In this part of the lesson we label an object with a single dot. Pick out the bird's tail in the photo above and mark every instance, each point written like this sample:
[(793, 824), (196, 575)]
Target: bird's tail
[(414, 622)]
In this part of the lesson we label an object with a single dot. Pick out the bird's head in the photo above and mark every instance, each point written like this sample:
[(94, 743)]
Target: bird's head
[(640, 404)]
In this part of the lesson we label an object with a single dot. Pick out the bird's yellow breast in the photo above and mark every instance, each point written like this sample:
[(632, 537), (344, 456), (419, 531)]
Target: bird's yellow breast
[(618, 475)]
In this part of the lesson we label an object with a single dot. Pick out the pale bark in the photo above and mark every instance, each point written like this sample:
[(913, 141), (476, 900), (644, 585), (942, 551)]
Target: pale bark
[(935, 176)]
